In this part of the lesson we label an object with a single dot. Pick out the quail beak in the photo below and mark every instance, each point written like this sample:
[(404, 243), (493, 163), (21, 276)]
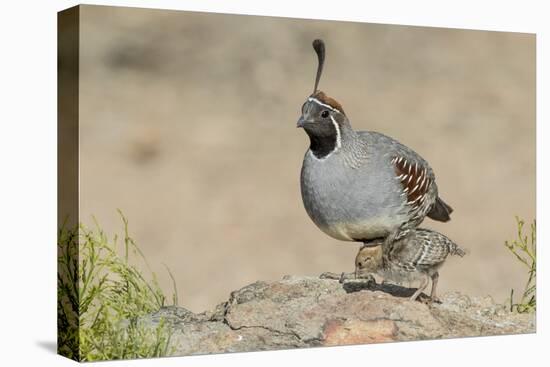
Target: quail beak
[(301, 122)]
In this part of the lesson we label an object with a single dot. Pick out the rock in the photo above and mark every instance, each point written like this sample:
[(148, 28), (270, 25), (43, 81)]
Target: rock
[(298, 312), (353, 331)]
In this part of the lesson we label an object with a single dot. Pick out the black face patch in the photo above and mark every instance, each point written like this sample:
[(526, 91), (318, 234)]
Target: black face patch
[(323, 139)]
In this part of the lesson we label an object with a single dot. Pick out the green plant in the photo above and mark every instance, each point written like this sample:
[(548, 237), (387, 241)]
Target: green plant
[(101, 295), (524, 249)]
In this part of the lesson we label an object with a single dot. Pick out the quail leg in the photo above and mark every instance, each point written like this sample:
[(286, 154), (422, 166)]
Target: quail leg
[(394, 236), (435, 277), (390, 239), (423, 285)]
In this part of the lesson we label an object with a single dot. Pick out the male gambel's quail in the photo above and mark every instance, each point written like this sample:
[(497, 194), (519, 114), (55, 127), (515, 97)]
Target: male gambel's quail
[(361, 185), (416, 256)]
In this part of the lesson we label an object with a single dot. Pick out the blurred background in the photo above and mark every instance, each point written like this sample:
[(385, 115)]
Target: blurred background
[(187, 124)]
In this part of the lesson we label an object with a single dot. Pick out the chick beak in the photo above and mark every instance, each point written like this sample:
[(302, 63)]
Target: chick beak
[(301, 122)]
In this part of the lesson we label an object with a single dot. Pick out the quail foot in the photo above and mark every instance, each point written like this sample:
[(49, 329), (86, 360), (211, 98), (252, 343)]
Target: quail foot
[(417, 256), (361, 185)]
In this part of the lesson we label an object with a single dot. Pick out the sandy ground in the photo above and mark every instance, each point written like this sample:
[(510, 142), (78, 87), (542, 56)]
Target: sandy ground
[(188, 126)]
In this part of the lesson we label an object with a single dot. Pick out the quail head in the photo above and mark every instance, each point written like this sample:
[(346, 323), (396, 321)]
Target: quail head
[(361, 185), (416, 256)]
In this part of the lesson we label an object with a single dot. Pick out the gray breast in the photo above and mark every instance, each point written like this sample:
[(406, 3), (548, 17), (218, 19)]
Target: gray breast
[(352, 202)]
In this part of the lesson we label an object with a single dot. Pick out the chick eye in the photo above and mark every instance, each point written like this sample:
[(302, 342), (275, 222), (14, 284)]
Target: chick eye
[(359, 263), (324, 114)]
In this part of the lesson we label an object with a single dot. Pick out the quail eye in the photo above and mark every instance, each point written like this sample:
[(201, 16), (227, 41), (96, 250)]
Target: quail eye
[(359, 263), (324, 114)]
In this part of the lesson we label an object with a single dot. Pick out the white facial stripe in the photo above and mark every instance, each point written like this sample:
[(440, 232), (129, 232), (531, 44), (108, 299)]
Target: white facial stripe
[(311, 99), (338, 137)]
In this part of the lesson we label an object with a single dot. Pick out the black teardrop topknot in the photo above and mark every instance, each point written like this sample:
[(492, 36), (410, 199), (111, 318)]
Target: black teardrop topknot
[(319, 47)]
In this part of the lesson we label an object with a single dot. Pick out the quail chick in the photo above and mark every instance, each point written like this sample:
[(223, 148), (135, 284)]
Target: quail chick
[(415, 257), (361, 185)]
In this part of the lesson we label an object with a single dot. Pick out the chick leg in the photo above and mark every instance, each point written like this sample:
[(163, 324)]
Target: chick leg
[(423, 285), (435, 278)]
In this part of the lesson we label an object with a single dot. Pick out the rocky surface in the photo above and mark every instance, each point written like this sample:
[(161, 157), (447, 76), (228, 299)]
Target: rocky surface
[(300, 312)]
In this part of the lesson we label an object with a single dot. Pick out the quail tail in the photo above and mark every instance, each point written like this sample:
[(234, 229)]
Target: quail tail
[(457, 251), (441, 211)]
